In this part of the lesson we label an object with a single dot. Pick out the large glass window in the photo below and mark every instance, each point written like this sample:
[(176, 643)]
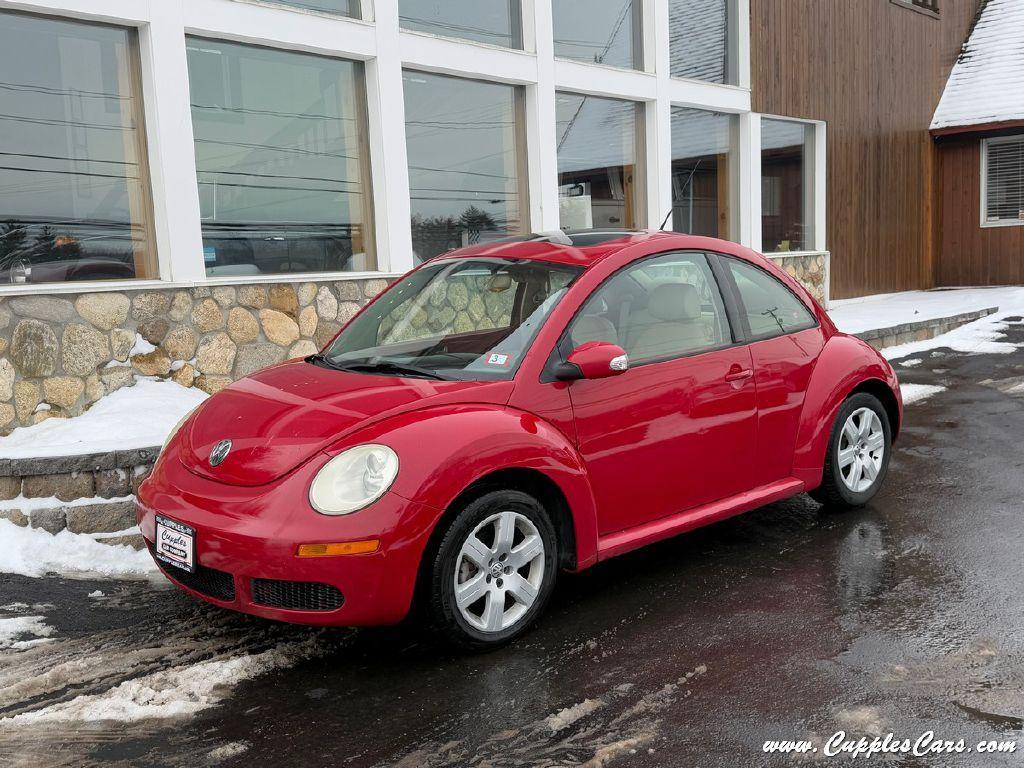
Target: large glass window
[(599, 182), (466, 149), (699, 40), (74, 190), (281, 155), (786, 185), (664, 307), (598, 31), (497, 22), (703, 170), (338, 7)]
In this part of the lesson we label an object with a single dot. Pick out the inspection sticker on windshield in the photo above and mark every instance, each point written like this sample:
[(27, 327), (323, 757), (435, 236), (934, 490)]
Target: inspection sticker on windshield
[(175, 543), (499, 360)]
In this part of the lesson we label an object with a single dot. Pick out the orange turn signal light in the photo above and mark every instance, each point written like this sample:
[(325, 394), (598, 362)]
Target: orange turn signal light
[(339, 548)]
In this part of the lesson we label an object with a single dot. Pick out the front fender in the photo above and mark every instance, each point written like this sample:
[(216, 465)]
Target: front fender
[(444, 450), (845, 363)]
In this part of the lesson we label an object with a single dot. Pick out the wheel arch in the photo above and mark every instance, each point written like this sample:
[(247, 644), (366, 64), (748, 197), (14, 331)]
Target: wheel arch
[(845, 366)]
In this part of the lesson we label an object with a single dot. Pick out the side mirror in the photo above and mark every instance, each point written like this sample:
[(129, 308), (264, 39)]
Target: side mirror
[(594, 360)]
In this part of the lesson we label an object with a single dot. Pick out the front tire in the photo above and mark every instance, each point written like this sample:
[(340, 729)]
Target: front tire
[(858, 453), (494, 570)]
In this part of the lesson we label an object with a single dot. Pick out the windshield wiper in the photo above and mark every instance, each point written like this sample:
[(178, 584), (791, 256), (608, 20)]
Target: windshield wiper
[(389, 367)]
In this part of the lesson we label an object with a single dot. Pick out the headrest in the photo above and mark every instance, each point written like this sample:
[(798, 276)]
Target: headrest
[(593, 328), (673, 302)]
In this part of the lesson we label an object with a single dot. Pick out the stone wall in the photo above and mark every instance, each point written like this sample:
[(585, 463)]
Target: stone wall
[(59, 353), (810, 270)]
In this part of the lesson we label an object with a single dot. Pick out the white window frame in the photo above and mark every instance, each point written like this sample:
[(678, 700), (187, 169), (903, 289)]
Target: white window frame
[(1017, 138), (385, 49)]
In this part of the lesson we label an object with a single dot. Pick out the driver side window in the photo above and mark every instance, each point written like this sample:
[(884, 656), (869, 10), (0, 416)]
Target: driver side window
[(657, 309)]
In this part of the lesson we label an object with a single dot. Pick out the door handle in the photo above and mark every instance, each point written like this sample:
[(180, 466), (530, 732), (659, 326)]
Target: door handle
[(739, 374)]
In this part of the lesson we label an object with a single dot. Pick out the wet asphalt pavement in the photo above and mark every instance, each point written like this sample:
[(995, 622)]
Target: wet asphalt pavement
[(790, 622)]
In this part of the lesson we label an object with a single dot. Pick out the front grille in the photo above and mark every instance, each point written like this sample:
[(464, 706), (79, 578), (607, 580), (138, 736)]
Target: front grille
[(206, 581), (296, 595)]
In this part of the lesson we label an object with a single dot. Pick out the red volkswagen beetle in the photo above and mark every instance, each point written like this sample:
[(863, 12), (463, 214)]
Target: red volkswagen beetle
[(509, 410)]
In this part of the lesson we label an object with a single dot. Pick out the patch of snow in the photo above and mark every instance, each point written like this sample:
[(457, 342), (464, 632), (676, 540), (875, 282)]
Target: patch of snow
[(168, 693), (140, 416), (30, 505), (566, 717), (96, 593), (34, 552), (912, 362), (141, 346), (868, 313), (13, 631), (42, 407), (915, 393), (100, 536), (986, 84), (226, 752)]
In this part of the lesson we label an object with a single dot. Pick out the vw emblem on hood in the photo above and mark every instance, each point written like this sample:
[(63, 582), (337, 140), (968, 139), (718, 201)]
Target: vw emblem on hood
[(219, 453)]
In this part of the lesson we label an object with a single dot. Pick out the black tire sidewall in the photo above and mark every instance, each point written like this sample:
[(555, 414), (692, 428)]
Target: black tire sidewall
[(445, 613), (851, 404)]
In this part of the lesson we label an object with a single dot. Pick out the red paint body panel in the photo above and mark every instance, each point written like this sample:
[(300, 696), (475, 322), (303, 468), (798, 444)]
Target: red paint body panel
[(647, 454)]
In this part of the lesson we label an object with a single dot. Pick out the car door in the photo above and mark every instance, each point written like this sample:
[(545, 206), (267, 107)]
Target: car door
[(677, 429), (785, 341)]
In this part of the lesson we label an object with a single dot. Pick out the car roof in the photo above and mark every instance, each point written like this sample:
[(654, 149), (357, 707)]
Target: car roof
[(584, 247)]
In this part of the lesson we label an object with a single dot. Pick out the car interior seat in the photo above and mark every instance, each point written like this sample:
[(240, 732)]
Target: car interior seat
[(671, 323)]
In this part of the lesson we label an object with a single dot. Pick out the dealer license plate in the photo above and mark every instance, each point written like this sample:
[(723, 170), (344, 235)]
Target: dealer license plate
[(175, 543)]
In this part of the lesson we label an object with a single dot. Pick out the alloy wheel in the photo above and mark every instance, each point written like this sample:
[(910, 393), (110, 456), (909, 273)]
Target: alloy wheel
[(861, 450), (499, 571)]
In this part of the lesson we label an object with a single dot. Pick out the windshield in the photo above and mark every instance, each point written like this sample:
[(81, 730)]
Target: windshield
[(465, 319)]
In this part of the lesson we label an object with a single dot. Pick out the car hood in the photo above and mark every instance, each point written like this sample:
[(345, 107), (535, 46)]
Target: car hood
[(279, 417)]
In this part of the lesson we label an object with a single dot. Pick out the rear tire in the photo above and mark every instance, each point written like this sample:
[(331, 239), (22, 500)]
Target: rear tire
[(494, 570), (858, 453)]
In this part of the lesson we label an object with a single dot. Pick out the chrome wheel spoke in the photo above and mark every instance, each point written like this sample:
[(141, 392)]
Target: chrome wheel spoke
[(471, 590), (520, 589), (851, 431), (526, 552), (876, 441), (494, 611), (870, 470), (476, 552), (506, 532), (847, 456)]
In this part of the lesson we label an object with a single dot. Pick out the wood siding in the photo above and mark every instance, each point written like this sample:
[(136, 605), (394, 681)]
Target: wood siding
[(968, 253), (874, 71)]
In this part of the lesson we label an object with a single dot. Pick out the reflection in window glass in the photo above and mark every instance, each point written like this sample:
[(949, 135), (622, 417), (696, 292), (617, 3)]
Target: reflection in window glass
[(598, 163), (339, 7), (770, 308), (464, 142), (497, 22), (785, 185), (699, 40), (281, 158), (598, 31), (703, 168), (73, 187)]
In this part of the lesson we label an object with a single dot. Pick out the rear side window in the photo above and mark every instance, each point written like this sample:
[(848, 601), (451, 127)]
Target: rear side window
[(770, 308)]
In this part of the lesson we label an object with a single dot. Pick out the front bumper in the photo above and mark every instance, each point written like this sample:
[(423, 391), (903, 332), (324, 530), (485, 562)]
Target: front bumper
[(246, 535)]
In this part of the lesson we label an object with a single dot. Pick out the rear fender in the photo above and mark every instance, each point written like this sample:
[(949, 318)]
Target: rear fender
[(444, 450), (845, 363)]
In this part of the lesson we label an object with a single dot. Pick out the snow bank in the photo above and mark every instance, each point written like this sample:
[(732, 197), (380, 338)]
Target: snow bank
[(915, 393), (868, 313), (169, 693), (140, 416), (34, 552)]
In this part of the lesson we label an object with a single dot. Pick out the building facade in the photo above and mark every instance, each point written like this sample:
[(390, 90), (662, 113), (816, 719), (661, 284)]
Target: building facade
[(198, 188)]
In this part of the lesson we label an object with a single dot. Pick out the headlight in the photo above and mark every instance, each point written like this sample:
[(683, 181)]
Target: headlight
[(353, 479), (178, 426)]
